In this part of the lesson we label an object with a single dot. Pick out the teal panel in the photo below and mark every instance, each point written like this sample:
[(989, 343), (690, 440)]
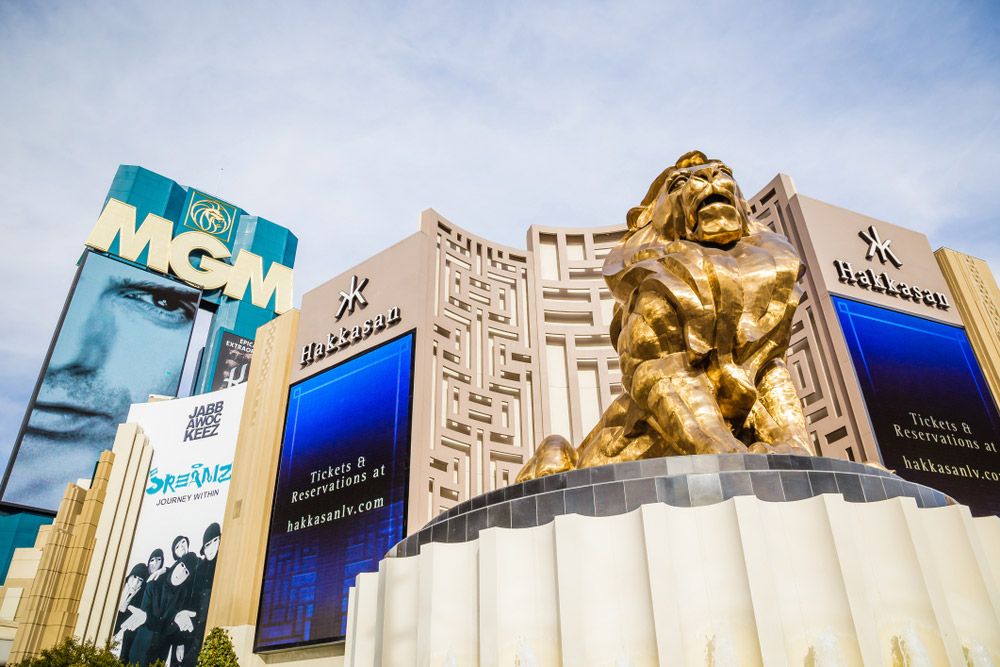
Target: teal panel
[(18, 529), (149, 193)]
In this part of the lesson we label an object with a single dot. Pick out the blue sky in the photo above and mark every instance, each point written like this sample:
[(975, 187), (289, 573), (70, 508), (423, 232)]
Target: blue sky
[(344, 121)]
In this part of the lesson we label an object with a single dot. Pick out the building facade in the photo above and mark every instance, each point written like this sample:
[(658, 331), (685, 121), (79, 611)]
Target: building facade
[(514, 344), (456, 355)]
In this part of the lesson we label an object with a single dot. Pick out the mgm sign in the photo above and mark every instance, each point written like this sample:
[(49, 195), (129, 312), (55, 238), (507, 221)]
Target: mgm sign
[(160, 257), (168, 255)]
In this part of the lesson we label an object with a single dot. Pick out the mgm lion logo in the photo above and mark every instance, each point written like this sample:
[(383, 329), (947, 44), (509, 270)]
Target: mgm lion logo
[(211, 216), (704, 299)]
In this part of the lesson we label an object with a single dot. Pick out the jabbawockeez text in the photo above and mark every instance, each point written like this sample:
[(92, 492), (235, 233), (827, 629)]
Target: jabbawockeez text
[(204, 422)]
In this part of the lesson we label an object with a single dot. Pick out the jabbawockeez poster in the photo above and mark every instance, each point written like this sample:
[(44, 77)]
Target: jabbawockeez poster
[(164, 598)]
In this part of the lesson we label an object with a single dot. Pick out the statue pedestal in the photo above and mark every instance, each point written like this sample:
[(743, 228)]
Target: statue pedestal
[(704, 560)]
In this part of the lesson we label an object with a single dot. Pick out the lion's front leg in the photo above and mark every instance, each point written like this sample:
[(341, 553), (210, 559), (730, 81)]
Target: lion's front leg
[(683, 408), (679, 398), (777, 415)]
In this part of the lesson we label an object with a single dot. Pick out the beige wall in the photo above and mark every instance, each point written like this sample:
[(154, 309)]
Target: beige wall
[(825, 234), (20, 574), (831, 233), (486, 378), (113, 537), (47, 614), (236, 590), (482, 386), (398, 277), (513, 345), (572, 308)]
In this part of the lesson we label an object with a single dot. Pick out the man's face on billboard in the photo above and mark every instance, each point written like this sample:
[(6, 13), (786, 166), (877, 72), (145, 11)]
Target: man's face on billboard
[(124, 337)]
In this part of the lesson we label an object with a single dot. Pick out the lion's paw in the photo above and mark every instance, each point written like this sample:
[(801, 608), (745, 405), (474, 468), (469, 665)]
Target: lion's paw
[(554, 454)]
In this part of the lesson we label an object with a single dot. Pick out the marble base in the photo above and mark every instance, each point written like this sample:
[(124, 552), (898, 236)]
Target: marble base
[(818, 581)]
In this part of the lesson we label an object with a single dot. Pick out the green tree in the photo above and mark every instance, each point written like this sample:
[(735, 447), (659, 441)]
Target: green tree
[(217, 650), (73, 653)]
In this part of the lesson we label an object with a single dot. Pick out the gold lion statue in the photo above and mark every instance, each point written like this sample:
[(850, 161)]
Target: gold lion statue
[(704, 300)]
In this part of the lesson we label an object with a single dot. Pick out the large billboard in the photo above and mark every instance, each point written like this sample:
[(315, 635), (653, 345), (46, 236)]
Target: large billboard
[(934, 418), (123, 336), (163, 603), (158, 252), (340, 496)]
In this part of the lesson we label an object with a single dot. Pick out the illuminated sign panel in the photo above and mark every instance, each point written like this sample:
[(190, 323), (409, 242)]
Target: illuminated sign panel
[(123, 337), (930, 408), (233, 266), (340, 496)]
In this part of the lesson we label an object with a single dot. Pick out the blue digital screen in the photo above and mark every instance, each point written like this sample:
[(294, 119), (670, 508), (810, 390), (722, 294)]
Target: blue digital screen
[(123, 336), (340, 497), (934, 417)]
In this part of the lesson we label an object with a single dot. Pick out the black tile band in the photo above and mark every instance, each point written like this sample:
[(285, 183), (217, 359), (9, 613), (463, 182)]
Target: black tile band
[(681, 481)]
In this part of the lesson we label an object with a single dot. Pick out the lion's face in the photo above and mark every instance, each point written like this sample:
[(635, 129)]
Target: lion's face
[(701, 203)]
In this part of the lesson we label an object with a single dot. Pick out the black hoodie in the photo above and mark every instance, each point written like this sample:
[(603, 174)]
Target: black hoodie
[(142, 572), (201, 596), (161, 602)]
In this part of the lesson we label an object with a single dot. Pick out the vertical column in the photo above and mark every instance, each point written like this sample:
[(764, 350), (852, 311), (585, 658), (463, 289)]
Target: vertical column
[(518, 597), (236, 591), (113, 538), (32, 614), (699, 582), (987, 528), (399, 596), (959, 553), (605, 609), (365, 627), (812, 605), (62, 618), (855, 574), (448, 610), (761, 577)]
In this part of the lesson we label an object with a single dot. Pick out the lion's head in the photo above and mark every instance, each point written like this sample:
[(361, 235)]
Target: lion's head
[(696, 199)]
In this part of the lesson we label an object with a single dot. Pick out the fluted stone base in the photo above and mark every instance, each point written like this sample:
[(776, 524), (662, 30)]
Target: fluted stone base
[(679, 481), (817, 581)]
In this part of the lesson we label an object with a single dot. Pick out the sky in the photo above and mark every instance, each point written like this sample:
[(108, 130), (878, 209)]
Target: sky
[(343, 121)]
